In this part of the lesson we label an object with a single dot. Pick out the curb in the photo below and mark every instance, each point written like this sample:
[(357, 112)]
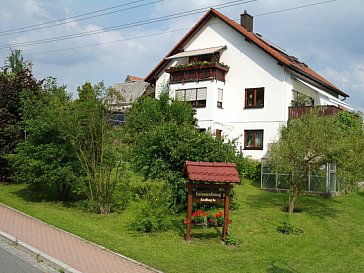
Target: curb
[(82, 239), (37, 254)]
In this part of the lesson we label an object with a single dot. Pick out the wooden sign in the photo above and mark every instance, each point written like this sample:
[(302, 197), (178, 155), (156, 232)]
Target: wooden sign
[(208, 196), (209, 183)]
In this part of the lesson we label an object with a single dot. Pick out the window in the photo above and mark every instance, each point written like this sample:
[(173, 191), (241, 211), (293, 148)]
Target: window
[(205, 58), (254, 97), (300, 99), (196, 96), (117, 118), (219, 97), (253, 139), (218, 134)]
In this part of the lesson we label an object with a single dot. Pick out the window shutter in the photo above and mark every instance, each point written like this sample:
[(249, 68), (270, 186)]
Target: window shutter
[(201, 93), (219, 95), (180, 95), (190, 94)]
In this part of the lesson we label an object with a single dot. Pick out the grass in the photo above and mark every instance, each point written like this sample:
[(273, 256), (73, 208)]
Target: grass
[(333, 238)]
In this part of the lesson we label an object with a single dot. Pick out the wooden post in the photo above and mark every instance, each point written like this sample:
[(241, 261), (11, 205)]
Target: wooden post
[(189, 215), (192, 199), (226, 214)]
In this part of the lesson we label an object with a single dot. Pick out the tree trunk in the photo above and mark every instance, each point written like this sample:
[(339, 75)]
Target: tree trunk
[(292, 200), (105, 208)]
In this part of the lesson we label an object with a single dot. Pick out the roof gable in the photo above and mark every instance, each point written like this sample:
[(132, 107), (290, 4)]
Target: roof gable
[(284, 59)]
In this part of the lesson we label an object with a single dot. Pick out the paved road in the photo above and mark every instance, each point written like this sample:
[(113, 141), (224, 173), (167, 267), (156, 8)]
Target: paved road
[(13, 260), (71, 250)]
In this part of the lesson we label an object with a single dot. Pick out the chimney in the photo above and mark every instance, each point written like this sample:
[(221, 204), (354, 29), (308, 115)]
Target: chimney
[(246, 21)]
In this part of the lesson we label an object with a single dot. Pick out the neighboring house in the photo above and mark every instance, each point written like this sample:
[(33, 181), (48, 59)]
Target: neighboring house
[(127, 93), (242, 86)]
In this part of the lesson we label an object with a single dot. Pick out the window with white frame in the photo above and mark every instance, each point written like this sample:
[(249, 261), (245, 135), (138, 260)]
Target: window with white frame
[(196, 96), (219, 97)]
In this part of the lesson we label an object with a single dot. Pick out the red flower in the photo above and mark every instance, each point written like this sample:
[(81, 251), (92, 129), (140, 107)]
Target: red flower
[(204, 214), (194, 214), (199, 212), (220, 213), (216, 215), (212, 220)]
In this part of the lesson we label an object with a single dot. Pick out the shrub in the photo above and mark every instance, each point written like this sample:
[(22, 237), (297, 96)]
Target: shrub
[(153, 211), (288, 228), (230, 240), (248, 168)]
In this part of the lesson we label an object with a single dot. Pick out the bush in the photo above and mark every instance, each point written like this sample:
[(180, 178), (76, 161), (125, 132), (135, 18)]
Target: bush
[(230, 240), (288, 228), (162, 151), (153, 211), (248, 168)]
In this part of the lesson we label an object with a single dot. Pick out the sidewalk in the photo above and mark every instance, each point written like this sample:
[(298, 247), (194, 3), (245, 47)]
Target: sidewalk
[(78, 254)]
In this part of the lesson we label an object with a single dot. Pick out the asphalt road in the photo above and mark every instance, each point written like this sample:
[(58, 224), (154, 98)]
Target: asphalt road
[(12, 260)]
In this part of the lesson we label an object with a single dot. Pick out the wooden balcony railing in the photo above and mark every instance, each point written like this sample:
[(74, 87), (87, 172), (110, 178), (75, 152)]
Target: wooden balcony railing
[(299, 111), (197, 73)]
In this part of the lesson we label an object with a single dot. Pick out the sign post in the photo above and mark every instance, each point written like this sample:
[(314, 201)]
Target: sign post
[(218, 179)]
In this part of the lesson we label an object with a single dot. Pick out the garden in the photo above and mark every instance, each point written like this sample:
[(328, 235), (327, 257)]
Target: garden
[(332, 238), (122, 187)]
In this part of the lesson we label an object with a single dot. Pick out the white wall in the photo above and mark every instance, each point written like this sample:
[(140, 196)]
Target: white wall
[(249, 67)]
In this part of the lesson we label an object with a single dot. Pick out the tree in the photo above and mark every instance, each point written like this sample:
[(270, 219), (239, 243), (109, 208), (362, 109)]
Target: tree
[(15, 61), (165, 136), (148, 113), (46, 158), (15, 86), (307, 143), (93, 142)]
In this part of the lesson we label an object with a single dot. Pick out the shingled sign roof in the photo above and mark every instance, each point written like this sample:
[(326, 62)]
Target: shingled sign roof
[(215, 172)]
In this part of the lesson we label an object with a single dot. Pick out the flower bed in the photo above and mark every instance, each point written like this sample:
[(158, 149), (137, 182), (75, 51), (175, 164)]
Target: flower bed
[(199, 218)]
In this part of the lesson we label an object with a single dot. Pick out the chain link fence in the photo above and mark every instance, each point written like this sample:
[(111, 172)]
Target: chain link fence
[(321, 181)]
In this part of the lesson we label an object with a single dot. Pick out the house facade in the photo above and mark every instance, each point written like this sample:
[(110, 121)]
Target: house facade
[(243, 87)]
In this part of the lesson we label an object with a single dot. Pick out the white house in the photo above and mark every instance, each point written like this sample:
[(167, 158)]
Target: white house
[(242, 86)]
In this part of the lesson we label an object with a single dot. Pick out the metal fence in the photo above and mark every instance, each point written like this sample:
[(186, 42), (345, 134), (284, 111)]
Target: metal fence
[(321, 181)]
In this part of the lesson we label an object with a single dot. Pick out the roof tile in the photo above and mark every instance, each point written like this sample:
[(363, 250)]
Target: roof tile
[(216, 172)]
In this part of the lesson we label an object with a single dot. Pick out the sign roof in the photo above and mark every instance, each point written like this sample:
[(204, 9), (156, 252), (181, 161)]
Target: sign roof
[(213, 172)]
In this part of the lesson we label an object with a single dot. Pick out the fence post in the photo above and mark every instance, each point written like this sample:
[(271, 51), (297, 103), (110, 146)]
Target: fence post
[(277, 177), (327, 178), (261, 173), (309, 177)]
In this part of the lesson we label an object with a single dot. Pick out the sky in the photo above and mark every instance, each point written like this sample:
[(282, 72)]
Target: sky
[(329, 37)]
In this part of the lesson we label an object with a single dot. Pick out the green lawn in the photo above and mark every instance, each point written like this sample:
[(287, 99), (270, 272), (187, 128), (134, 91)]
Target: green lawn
[(333, 238)]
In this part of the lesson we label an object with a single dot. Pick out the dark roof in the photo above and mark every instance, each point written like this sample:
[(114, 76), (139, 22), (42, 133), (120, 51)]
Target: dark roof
[(211, 172), (284, 59)]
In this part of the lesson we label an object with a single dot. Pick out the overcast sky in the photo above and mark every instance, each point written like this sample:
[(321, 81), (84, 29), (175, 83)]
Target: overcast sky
[(328, 37)]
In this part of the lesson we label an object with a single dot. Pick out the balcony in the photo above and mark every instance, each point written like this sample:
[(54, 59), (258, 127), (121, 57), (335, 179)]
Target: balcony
[(198, 72), (299, 111)]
